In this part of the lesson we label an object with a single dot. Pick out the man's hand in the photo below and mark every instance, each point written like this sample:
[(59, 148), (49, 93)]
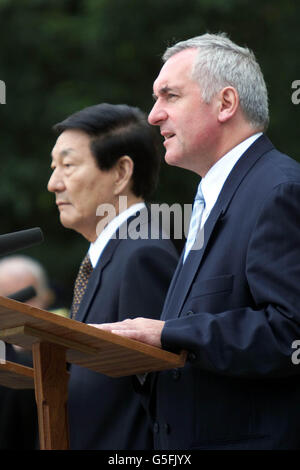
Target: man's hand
[(145, 330)]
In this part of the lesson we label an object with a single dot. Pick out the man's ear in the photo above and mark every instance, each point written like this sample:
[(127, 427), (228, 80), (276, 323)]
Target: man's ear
[(228, 103), (123, 173)]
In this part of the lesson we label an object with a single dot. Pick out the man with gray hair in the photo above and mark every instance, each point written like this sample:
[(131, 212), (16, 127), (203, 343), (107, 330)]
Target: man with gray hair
[(18, 414), (20, 271), (233, 304)]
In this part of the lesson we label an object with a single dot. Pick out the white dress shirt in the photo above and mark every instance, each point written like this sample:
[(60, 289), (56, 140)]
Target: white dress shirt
[(97, 247), (215, 178)]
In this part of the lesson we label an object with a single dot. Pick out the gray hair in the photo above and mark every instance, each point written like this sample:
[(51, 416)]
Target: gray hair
[(17, 265), (220, 63)]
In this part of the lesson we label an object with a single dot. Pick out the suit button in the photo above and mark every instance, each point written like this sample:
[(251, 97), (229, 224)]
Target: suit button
[(192, 356), (190, 312), (176, 374), (156, 427), (167, 428)]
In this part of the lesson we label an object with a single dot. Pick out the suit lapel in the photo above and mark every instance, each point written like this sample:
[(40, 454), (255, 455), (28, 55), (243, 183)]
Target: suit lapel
[(186, 273), (169, 300), (104, 260)]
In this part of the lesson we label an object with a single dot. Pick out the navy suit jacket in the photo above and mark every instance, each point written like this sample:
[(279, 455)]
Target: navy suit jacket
[(235, 307), (131, 279)]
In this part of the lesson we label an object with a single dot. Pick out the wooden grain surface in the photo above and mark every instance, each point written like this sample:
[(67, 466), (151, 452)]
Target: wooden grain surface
[(16, 376), (95, 349), (51, 390)]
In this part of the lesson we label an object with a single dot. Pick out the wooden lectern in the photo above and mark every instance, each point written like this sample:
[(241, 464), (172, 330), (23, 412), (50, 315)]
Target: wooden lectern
[(56, 341)]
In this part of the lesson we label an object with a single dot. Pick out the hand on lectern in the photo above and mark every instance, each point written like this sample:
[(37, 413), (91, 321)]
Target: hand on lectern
[(145, 330)]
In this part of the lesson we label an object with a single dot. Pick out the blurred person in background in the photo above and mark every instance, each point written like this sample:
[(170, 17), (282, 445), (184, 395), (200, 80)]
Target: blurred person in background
[(18, 413)]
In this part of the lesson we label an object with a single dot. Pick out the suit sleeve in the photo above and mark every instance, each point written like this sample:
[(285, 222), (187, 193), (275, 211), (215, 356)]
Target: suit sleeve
[(145, 281), (254, 340)]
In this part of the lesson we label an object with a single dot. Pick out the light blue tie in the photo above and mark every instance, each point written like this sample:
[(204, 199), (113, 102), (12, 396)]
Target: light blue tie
[(195, 237)]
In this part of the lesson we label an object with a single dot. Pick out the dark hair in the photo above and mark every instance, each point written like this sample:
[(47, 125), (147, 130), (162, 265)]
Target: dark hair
[(118, 130)]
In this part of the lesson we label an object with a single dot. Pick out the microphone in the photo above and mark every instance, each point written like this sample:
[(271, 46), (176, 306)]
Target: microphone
[(15, 241), (23, 295)]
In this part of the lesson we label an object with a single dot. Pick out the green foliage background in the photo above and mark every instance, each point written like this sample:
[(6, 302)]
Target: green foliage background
[(61, 55)]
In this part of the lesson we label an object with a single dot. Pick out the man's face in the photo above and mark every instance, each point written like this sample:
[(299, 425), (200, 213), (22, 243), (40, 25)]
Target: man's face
[(188, 124), (79, 185)]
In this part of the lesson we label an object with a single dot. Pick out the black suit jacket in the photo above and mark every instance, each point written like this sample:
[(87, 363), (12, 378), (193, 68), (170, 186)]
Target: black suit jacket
[(131, 279), (235, 307), (18, 414)]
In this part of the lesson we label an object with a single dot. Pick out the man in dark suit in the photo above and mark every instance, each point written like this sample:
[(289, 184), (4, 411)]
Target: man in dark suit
[(233, 303), (105, 164)]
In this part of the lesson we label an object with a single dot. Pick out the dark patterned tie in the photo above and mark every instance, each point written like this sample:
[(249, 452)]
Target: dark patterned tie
[(81, 282)]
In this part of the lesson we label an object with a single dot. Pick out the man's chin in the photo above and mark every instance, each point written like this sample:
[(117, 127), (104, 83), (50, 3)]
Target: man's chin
[(66, 222), (172, 159)]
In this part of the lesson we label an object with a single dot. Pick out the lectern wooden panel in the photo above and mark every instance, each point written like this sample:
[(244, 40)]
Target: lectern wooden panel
[(56, 340), (16, 376), (87, 346)]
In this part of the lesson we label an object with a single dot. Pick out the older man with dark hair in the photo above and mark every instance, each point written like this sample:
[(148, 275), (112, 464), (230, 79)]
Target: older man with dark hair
[(105, 153)]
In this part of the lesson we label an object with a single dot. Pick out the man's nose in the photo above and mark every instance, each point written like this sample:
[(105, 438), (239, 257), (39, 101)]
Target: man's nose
[(157, 115), (55, 183)]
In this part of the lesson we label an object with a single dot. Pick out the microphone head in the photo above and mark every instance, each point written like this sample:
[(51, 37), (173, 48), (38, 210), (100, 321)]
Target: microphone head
[(20, 240), (23, 295)]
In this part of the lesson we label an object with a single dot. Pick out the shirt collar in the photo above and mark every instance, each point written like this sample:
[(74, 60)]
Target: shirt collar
[(215, 178), (97, 247)]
